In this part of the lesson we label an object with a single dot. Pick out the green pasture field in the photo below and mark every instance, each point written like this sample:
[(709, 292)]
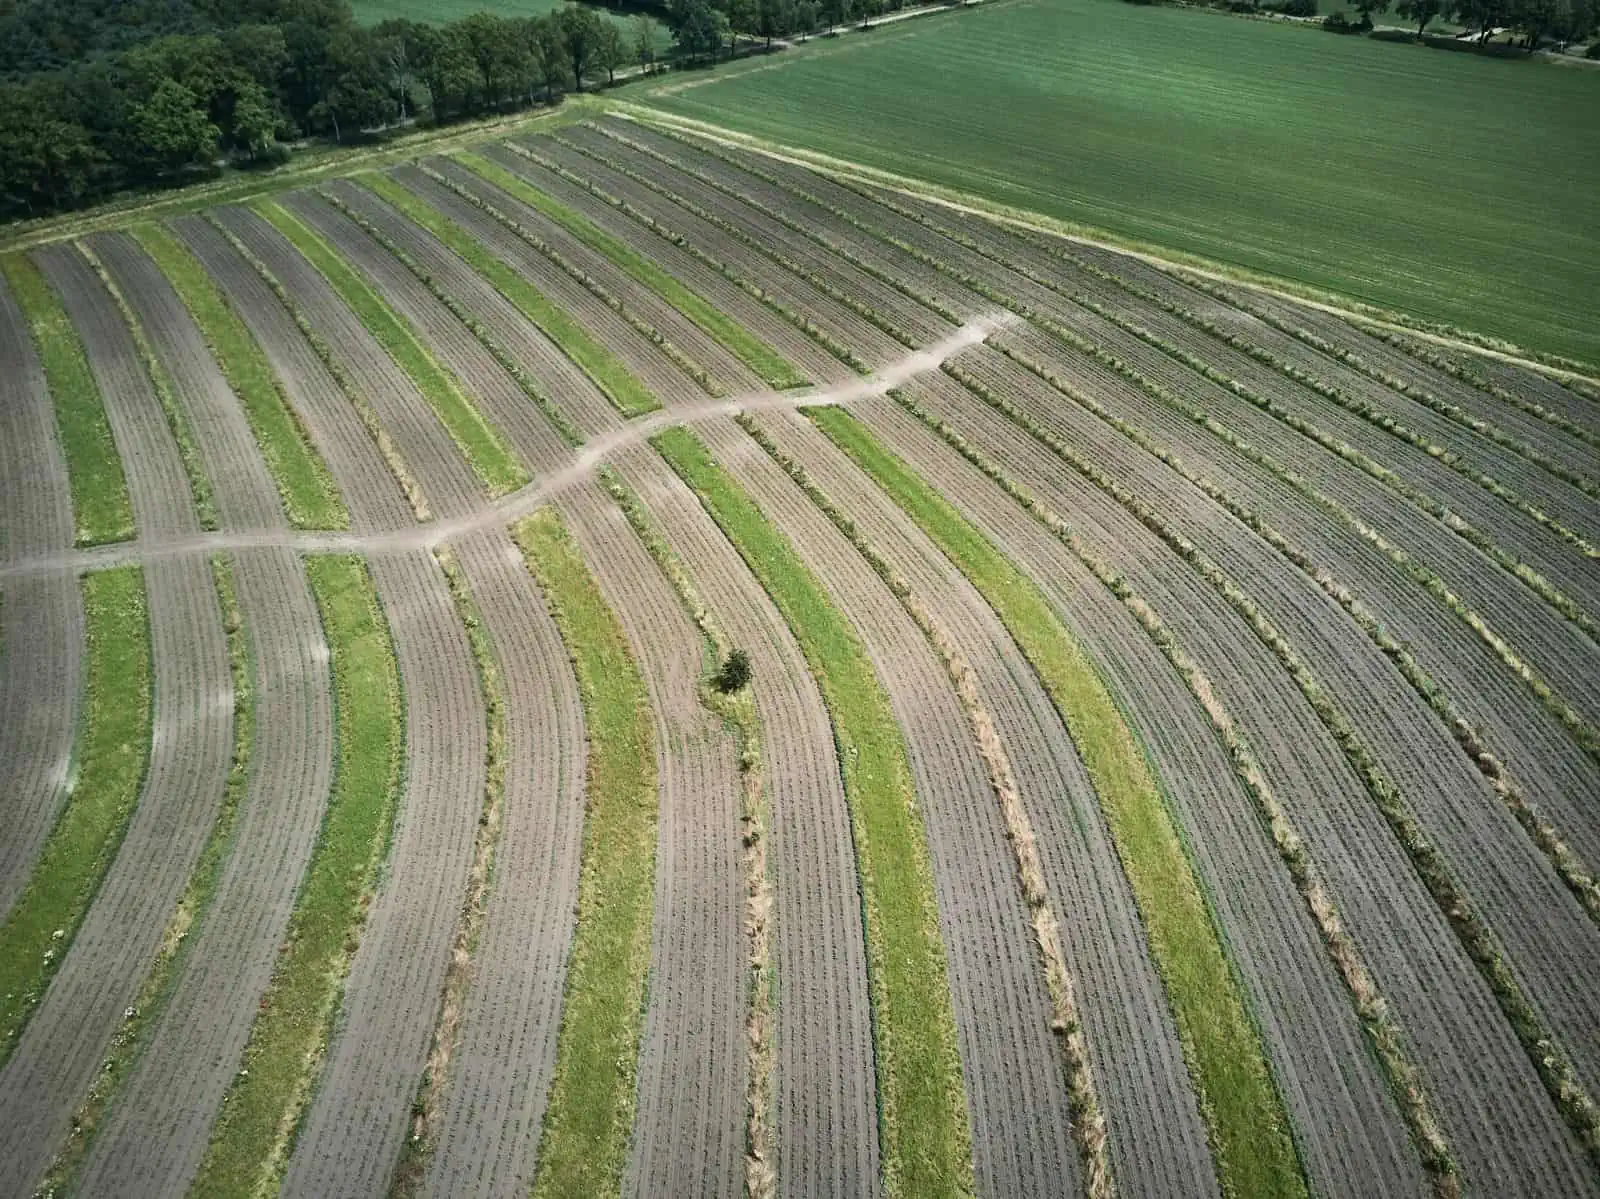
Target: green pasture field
[(1447, 187), (441, 12)]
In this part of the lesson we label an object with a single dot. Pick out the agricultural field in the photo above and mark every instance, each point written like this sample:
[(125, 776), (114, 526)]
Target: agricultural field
[(613, 662), (1271, 148)]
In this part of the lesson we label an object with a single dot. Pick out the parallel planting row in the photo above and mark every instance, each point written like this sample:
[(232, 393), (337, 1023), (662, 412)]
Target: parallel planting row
[(607, 662)]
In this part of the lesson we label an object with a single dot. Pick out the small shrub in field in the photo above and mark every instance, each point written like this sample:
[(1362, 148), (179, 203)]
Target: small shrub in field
[(735, 672)]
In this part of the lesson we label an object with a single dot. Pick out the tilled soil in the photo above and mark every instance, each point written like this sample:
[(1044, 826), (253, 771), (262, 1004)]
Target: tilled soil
[(192, 739), (41, 620)]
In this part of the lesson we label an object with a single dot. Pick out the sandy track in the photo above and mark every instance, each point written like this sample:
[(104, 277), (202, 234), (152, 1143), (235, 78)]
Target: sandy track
[(636, 298), (1015, 1086), (41, 620), (1540, 752), (796, 294), (1502, 1127), (915, 323), (688, 1135), (429, 452), (1158, 1142), (1349, 1129), (826, 1122), (493, 1106), (159, 1126), (192, 740), (804, 353)]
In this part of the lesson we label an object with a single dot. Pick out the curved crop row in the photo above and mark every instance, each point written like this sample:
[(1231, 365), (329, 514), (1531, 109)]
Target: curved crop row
[(109, 762), (1246, 1121), (492, 461), (817, 334), (1574, 872), (1386, 1036), (1088, 1121), (583, 278), (1458, 524), (739, 711), (766, 249), (1551, 1062), (1436, 404), (175, 941), (558, 420), (589, 1115), (618, 384), (310, 497), (922, 1112), (772, 367), (250, 1143), (425, 1109), (101, 508), (363, 407)]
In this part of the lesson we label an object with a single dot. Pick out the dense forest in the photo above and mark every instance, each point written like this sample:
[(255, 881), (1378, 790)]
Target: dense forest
[(99, 96)]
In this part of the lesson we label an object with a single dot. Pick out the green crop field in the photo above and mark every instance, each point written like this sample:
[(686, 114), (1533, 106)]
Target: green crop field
[(441, 12), (1444, 186)]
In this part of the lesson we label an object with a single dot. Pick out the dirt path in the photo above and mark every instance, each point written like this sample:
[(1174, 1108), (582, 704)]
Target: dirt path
[(581, 464)]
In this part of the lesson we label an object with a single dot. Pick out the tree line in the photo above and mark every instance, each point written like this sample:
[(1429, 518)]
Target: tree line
[(99, 96), (1531, 23)]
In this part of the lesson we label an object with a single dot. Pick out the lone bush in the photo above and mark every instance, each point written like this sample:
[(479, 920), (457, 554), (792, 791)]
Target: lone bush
[(735, 672)]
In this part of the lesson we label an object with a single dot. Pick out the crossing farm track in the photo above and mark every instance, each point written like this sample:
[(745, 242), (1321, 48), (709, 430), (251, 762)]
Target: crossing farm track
[(1167, 765)]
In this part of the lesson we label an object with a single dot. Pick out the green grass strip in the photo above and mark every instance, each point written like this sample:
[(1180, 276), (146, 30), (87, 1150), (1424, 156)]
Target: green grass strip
[(310, 497), (109, 759), (100, 506), (926, 1143), (474, 436), (195, 902), (588, 1121), (1249, 1129), (251, 1140), (626, 393), (773, 368)]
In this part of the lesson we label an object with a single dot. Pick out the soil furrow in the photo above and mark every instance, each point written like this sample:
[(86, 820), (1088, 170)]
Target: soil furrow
[(815, 362), (192, 738), (353, 1129), (493, 1097), (1158, 1141), (41, 620), (1016, 1090), (825, 1088), (1446, 1009), (688, 1134)]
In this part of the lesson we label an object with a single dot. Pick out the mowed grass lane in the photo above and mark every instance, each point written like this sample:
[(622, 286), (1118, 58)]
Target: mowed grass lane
[(624, 391), (310, 497), (1248, 1125), (773, 369), (926, 1144), (250, 1142), (108, 764), (101, 509), (1444, 186), (477, 440), (588, 1120)]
